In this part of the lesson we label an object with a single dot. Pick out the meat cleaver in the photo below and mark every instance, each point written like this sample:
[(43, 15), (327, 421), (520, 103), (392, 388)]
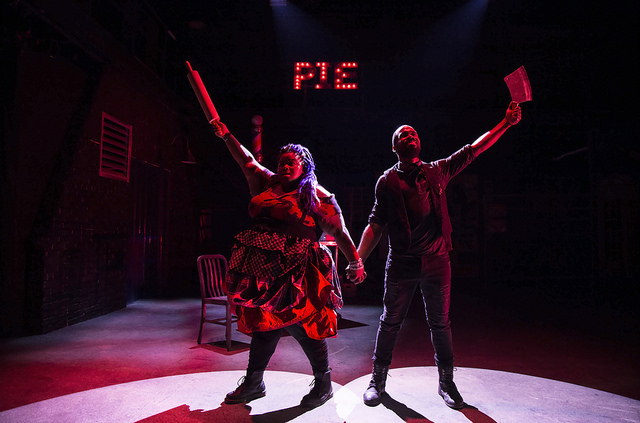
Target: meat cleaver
[(519, 86)]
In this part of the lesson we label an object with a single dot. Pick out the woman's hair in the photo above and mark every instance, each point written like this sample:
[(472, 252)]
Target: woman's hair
[(308, 182)]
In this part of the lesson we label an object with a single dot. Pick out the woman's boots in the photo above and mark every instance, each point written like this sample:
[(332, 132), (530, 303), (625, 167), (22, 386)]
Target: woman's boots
[(252, 387), (321, 391)]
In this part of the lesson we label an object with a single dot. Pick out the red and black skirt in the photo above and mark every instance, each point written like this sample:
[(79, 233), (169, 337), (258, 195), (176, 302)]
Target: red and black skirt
[(276, 280)]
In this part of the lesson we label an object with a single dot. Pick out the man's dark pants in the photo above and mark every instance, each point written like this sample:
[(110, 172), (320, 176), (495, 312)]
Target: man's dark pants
[(403, 275)]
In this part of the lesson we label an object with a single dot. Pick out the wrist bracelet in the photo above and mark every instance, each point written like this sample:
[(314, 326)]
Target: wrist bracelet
[(356, 264)]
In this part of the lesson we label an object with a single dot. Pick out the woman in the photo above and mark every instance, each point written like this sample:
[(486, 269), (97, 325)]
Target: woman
[(279, 276)]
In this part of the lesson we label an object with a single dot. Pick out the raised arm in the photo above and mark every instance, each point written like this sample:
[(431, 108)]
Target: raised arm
[(252, 169), (511, 118)]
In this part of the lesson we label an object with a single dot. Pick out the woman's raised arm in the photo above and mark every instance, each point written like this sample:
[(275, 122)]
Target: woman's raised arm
[(253, 171)]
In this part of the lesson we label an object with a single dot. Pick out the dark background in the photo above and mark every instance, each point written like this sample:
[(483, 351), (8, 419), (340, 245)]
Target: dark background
[(546, 219)]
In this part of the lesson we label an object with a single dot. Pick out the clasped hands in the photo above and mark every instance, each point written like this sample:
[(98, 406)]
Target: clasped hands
[(355, 271)]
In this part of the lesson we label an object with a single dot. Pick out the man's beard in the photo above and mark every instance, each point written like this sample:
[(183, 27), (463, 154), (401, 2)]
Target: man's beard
[(408, 151)]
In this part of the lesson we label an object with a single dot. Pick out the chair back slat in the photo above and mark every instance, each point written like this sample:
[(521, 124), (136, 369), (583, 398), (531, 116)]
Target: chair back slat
[(212, 269)]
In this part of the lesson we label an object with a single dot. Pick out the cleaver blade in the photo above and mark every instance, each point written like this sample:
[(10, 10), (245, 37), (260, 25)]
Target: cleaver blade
[(519, 86)]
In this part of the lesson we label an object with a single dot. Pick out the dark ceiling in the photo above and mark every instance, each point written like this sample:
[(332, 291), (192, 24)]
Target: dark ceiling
[(431, 63)]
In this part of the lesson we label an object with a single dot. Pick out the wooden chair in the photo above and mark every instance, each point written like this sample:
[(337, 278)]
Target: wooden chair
[(212, 269)]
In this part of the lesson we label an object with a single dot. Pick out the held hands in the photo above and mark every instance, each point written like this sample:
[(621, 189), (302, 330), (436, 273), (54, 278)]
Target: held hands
[(513, 113), (220, 129), (355, 271)]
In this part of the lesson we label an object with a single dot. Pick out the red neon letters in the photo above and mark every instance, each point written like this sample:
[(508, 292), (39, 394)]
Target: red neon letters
[(345, 76)]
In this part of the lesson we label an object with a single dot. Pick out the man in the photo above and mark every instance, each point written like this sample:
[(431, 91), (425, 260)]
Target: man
[(410, 202)]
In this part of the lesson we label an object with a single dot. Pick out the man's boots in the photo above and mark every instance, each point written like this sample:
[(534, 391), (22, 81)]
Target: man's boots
[(373, 395), (321, 391), (448, 390), (252, 387)]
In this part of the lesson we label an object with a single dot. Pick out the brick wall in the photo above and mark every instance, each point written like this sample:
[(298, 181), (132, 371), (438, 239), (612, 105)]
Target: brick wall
[(78, 248)]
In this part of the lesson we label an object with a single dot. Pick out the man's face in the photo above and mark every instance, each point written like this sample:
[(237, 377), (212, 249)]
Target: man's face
[(407, 143)]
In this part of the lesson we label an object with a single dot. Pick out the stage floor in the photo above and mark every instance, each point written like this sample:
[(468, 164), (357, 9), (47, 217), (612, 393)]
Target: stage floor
[(492, 396), (143, 363)]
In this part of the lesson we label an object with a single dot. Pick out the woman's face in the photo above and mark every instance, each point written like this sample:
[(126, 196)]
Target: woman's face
[(289, 167)]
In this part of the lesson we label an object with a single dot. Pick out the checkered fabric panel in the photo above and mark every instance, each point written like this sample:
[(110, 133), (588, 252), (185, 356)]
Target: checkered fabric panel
[(267, 255)]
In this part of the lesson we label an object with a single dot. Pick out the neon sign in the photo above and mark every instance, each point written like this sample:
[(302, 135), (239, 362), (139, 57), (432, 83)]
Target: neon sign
[(320, 77)]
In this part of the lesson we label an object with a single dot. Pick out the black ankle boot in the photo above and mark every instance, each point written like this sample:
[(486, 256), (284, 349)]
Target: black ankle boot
[(373, 395), (321, 391), (448, 390), (252, 387)]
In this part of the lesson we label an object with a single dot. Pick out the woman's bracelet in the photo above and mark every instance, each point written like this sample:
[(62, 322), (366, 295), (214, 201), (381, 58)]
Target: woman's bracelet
[(356, 264)]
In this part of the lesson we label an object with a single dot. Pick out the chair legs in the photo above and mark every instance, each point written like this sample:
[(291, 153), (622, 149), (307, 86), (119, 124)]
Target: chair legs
[(227, 333), (228, 324), (202, 318)]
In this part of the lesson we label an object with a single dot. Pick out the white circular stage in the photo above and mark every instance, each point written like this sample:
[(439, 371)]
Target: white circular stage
[(492, 396)]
